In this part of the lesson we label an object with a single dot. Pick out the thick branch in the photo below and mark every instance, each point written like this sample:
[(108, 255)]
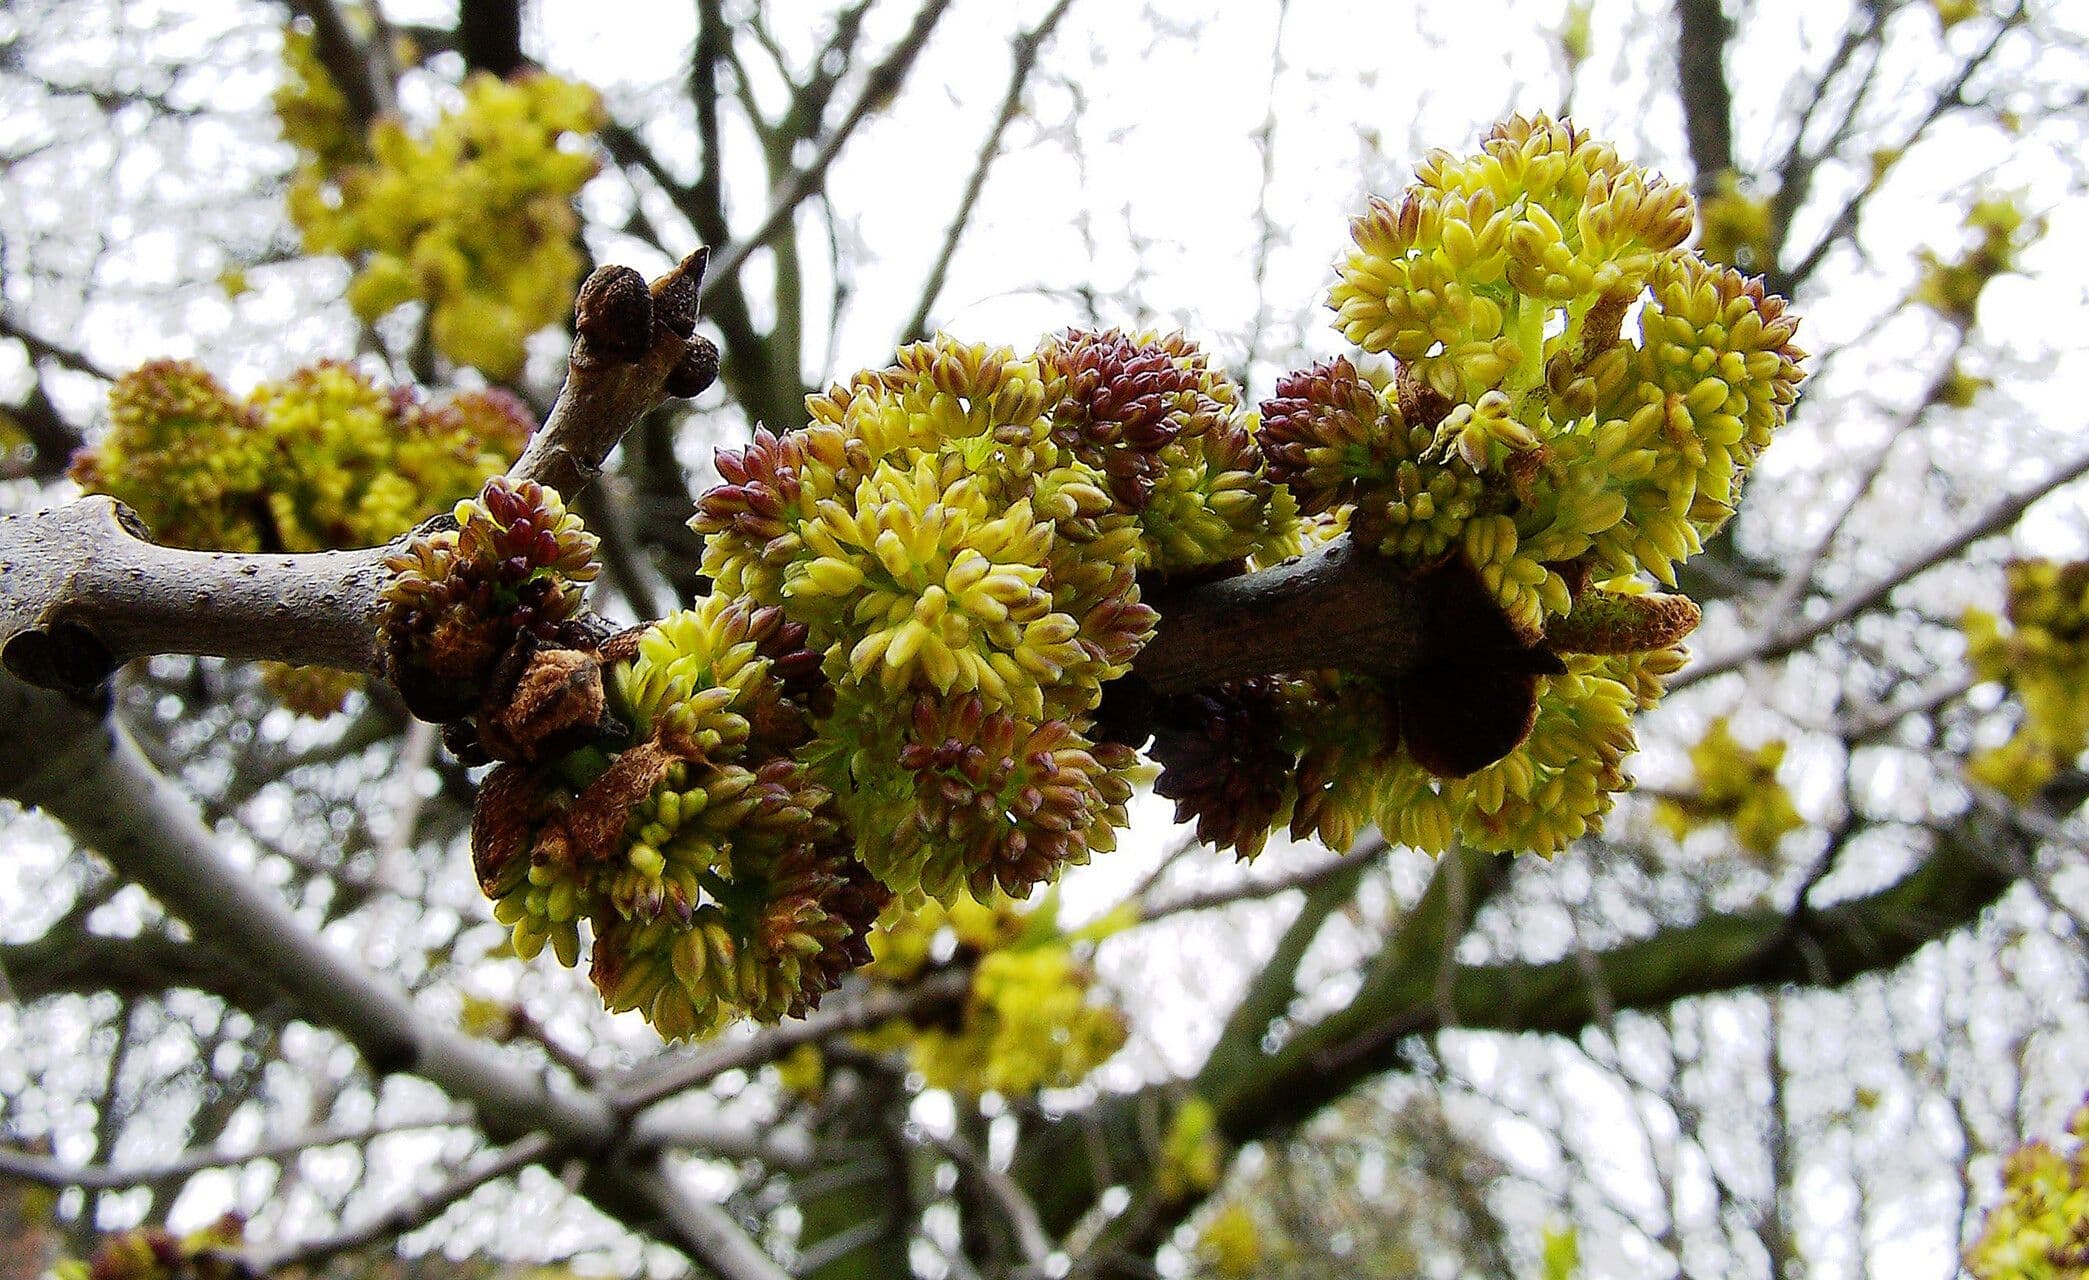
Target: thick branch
[(82, 591), (1707, 101), (1337, 606), (86, 772), (489, 35)]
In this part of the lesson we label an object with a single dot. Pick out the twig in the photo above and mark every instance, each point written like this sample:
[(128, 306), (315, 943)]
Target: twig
[(414, 1213), (668, 1079), (48, 1172), (1994, 520), (883, 82), (42, 348), (1254, 890), (1021, 1212), (1800, 577), (1024, 60)]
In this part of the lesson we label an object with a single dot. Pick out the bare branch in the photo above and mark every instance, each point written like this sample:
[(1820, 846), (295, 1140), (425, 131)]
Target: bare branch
[(47, 1172), (1024, 53), (883, 82), (1996, 519), (1015, 1206), (42, 348), (1708, 106), (414, 1213), (657, 1082)]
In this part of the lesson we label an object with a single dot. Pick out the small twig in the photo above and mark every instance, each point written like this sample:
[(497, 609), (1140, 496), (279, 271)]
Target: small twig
[(671, 1078), (1021, 1212), (883, 82), (47, 1172), (1024, 60), (1255, 890), (1994, 520), (414, 1213), (42, 348)]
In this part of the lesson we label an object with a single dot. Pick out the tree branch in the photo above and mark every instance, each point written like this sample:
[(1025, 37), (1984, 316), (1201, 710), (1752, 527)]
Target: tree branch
[(489, 35), (82, 591), (47, 1172), (1708, 105), (1996, 519)]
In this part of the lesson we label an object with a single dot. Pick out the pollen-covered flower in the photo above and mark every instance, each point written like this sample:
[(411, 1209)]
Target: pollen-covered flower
[(1224, 763), (186, 456), (2036, 1231), (963, 795), (1118, 399), (2001, 232), (942, 543), (1544, 210), (710, 866)]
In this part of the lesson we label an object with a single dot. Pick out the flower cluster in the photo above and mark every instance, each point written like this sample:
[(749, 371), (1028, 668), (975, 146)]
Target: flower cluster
[(1737, 786), (2040, 1229), (1032, 1019), (712, 869), (516, 563), (474, 217), (910, 682), (322, 460), (1531, 463), (963, 535), (2001, 232), (2042, 656), (153, 1253)]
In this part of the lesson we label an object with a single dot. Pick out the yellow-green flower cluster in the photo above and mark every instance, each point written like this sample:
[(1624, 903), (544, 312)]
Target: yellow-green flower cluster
[(1529, 463), (1193, 1153), (1501, 282), (315, 114), (322, 460), (1032, 1019), (960, 535), (2001, 232), (1230, 1244), (1176, 442), (474, 216), (2040, 1228), (1737, 786), (2042, 656), (709, 866)]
